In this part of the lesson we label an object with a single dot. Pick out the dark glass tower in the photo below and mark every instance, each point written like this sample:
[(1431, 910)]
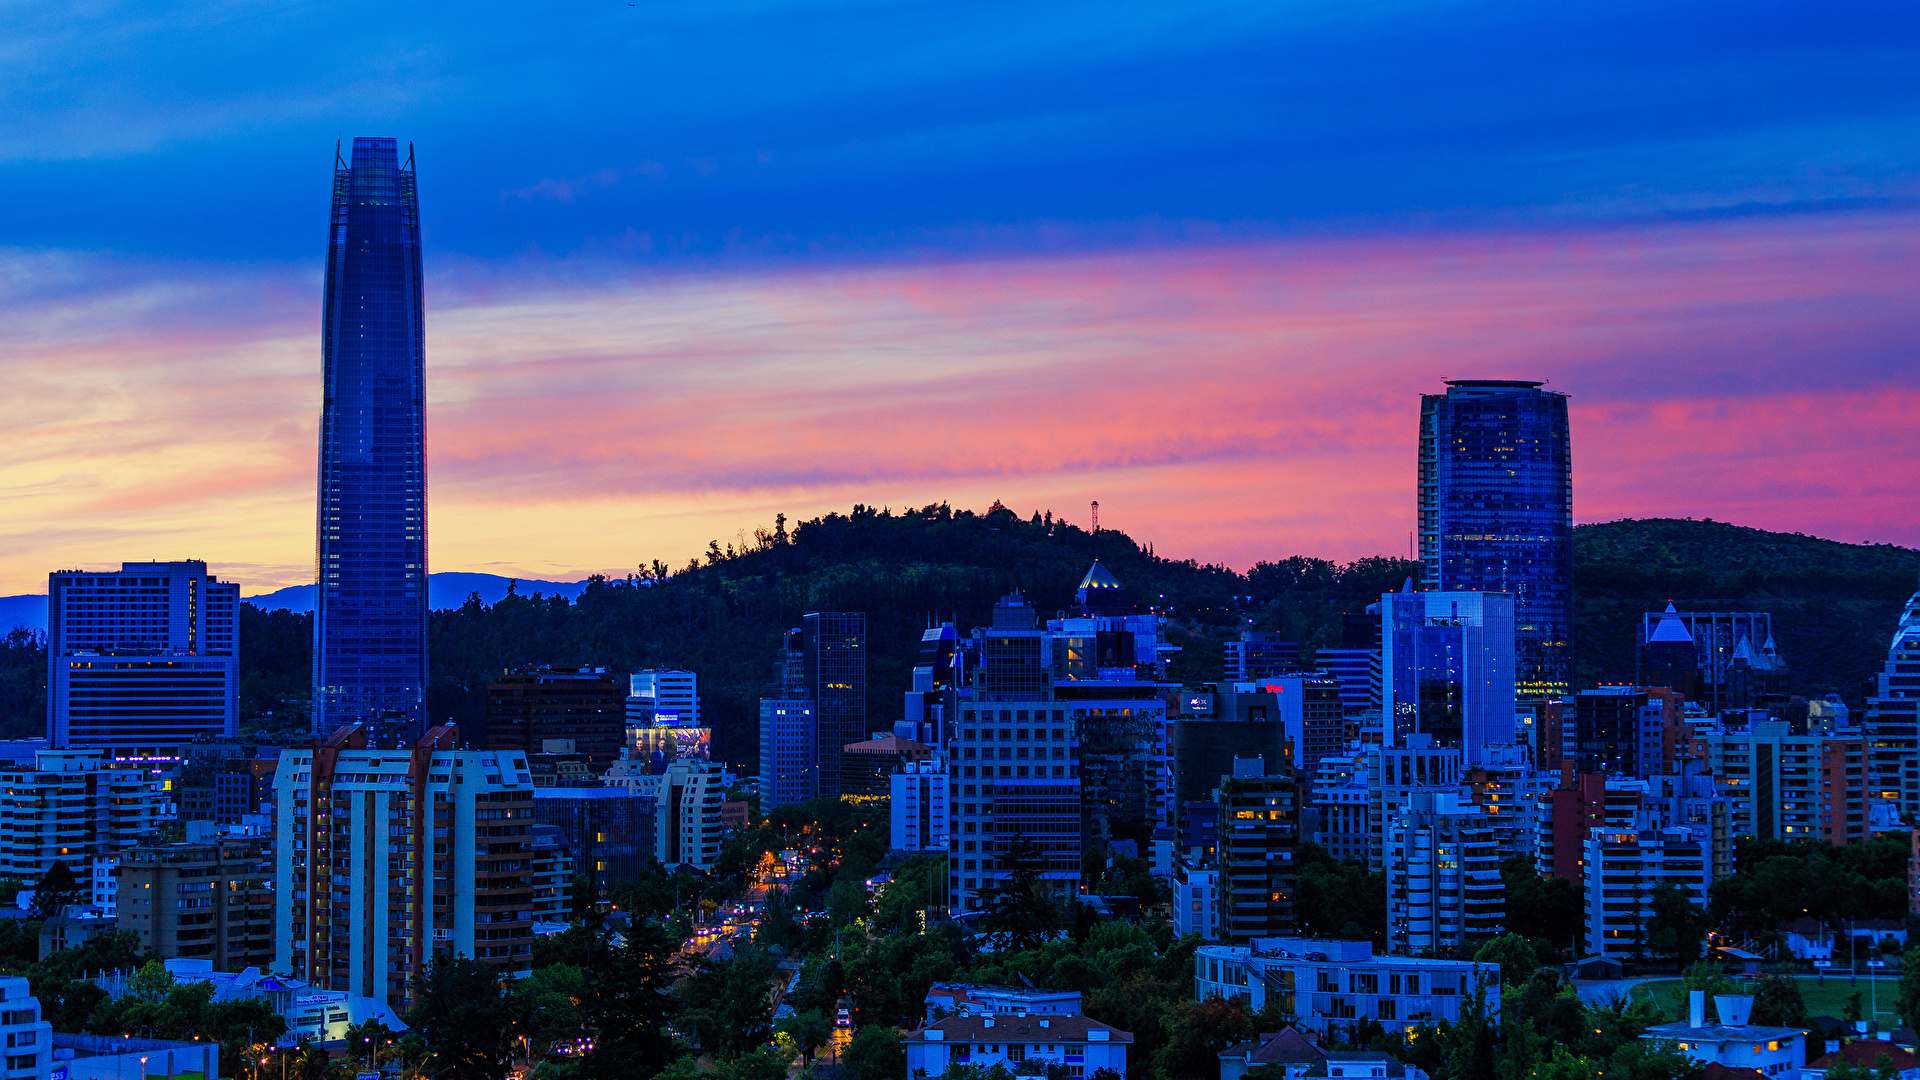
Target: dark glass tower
[(370, 612), (1496, 514)]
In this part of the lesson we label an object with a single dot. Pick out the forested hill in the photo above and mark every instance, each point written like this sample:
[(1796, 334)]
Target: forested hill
[(1834, 605), (724, 617)]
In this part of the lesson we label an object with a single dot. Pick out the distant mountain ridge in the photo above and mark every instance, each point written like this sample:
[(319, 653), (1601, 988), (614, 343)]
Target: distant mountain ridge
[(448, 590)]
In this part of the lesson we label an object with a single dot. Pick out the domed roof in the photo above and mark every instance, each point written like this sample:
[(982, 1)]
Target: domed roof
[(1099, 577)]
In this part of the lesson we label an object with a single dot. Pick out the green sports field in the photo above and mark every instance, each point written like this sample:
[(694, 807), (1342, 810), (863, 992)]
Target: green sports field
[(1822, 1000)]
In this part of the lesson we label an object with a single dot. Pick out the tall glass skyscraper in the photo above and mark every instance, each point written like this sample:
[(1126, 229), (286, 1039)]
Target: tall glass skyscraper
[(370, 614), (1496, 513)]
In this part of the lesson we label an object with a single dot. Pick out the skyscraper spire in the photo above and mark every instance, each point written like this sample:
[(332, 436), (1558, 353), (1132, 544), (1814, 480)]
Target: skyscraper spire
[(370, 607)]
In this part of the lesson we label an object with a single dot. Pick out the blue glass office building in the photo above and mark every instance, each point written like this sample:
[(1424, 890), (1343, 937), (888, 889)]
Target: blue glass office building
[(370, 612), (1496, 514)]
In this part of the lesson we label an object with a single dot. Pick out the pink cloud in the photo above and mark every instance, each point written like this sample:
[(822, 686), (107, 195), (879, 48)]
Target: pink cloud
[(1230, 403)]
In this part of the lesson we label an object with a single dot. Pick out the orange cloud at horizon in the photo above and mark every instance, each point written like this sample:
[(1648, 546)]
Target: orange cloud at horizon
[(1227, 403)]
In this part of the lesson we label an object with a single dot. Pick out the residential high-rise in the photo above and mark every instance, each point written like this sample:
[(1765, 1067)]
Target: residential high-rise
[(1627, 867), (1447, 669), (1444, 891), (920, 813), (584, 705), (142, 660), (1259, 832), (210, 900), (1782, 786), (836, 673), (687, 818), (370, 605), (1892, 721), (1496, 513), (387, 859), (71, 806)]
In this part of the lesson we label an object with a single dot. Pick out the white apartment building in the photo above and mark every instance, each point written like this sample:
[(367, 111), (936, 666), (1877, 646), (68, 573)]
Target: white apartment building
[(29, 1038), (1444, 891), (72, 807), (1330, 984), (386, 858), (1623, 868), (1196, 900), (687, 814), (921, 814)]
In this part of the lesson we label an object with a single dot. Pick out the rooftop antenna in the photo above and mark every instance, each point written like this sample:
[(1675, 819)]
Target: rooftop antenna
[(1096, 530)]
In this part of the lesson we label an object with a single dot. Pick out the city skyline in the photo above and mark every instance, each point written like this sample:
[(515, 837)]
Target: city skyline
[(662, 323)]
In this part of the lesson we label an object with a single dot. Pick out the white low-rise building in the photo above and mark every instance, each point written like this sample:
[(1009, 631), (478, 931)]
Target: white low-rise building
[(1734, 1043), (1018, 1043), (1196, 901)]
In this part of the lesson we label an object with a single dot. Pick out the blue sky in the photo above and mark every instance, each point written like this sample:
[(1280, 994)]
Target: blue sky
[(875, 128), (695, 264)]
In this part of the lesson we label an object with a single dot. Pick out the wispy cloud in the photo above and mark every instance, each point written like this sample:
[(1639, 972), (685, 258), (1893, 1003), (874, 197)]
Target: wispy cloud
[(1230, 402)]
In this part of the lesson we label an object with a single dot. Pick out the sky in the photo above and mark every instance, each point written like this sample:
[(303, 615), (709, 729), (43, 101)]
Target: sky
[(691, 265)]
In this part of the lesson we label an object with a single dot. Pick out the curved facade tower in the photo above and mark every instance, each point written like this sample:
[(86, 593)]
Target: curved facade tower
[(370, 607)]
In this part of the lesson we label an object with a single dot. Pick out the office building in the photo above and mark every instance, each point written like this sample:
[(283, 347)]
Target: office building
[(606, 831), (1616, 729), (143, 660), (1891, 723), (1716, 638), (1006, 781), (940, 667), (788, 743), (212, 900), (920, 811), (658, 694), (1444, 893), (867, 767), (1624, 870), (1330, 984), (1255, 655), (1219, 725), (552, 872), (1447, 669), (531, 706), (1354, 670), (1496, 513), (1259, 833), (72, 807), (1669, 657), (370, 604), (387, 859), (687, 824), (835, 659), (1779, 785)]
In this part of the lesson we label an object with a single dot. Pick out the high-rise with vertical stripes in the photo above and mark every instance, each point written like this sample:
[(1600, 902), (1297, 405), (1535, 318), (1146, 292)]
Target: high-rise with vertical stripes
[(1496, 514), (370, 611)]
